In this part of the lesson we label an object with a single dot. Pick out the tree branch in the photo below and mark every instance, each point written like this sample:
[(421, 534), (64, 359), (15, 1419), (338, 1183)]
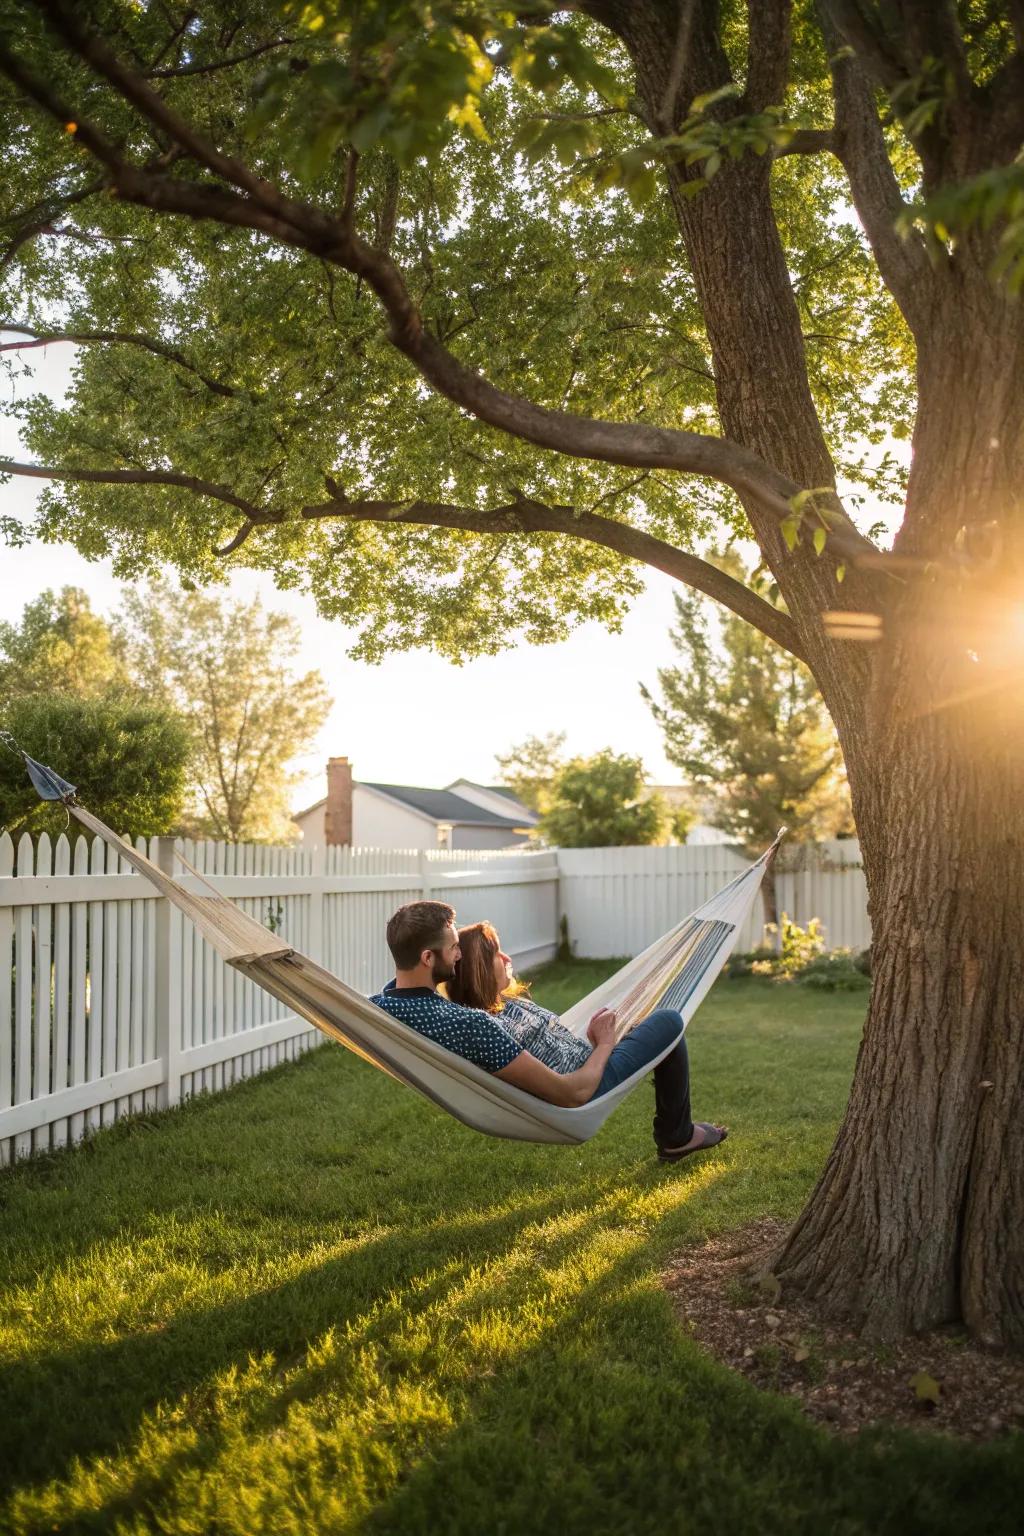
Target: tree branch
[(141, 95), (669, 108), (128, 338), (143, 477), (768, 50), (39, 220), (904, 264), (209, 69), (879, 53), (527, 516)]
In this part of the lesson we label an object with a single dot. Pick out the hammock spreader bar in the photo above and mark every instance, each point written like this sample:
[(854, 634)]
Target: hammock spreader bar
[(676, 971)]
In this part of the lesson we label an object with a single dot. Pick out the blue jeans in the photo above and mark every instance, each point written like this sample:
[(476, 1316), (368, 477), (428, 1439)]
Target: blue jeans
[(673, 1125)]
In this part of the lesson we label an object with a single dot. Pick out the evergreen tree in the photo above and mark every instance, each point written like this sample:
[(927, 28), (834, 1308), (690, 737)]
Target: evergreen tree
[(745, 722)]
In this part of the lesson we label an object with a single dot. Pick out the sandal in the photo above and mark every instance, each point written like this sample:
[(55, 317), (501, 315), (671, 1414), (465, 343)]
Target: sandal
[(713, 1134)]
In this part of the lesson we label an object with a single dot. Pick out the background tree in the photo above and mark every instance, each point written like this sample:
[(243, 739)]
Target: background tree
[(531, 767), (599, 802), (745, 722), (225, 667), (128, 758), (563, 262), (60, 646)]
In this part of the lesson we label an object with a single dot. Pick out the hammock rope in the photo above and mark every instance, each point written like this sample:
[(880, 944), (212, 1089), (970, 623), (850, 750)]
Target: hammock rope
[(676, 971)]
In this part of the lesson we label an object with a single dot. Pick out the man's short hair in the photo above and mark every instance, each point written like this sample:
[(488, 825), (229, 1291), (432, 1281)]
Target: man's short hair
[(418, 926)]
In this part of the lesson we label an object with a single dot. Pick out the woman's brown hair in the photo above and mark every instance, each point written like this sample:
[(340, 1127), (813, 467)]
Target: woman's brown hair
[(474, 984)]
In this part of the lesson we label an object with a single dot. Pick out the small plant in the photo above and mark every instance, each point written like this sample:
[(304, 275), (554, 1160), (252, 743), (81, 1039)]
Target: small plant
[(564, 952), (744, 964), (800, 945)]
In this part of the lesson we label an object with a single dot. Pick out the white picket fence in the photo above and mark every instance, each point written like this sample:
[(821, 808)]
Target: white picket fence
[(110, 1003), (618, 900)]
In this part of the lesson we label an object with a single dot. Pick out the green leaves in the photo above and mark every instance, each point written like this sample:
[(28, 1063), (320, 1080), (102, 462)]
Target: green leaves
[(992, 202), (599, 802), (402, 77), (803, 509)]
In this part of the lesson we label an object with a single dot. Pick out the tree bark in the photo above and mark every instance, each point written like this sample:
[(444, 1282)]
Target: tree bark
[(918, 1218), (919, 1215)]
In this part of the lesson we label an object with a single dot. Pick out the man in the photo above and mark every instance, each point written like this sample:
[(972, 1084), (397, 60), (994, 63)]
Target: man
[(424, 943)]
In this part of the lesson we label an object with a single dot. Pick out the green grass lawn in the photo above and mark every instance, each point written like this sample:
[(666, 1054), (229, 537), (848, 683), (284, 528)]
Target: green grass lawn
[(316, 1304)]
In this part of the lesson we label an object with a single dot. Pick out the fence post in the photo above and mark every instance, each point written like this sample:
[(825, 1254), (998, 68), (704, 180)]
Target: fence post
[(317, 902), (168, 983), (426, 883)]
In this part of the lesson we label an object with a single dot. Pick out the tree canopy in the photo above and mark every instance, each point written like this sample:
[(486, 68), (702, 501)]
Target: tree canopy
[(599, 802), (60, 646), (225, 667), (236, 387), (530, 767)]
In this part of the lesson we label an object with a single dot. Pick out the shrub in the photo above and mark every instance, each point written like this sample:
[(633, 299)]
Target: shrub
[(836, 971), (127, 758), (802, 958)]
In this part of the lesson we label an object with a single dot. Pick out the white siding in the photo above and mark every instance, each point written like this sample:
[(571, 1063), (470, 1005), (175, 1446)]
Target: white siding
[(378, 822), (311, 825)]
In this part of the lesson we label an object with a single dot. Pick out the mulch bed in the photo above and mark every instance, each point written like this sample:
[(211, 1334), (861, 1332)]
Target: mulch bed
[(729, 1302)]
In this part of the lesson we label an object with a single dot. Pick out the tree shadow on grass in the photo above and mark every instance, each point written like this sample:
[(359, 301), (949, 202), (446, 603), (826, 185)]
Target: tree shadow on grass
[(263, 1391), (599, 1416), (87, 1400)]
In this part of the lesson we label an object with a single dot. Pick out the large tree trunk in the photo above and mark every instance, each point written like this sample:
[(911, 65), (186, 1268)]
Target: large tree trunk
[(919, 1215), (918, 1218)]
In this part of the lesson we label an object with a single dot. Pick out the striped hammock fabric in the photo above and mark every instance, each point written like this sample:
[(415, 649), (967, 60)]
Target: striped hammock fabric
[(676, 972)]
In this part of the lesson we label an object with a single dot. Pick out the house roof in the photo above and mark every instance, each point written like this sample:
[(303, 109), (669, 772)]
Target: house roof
[(442, 805), (297, 815), (505, 793)]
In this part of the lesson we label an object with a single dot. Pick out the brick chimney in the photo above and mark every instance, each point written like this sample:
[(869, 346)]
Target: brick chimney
[(338, 813)]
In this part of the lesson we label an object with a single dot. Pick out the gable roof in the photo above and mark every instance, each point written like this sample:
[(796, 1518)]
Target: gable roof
[(442, 805), (500, 792)]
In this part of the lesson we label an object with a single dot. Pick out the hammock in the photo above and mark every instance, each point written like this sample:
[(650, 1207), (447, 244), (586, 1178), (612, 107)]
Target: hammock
[(676, 971)]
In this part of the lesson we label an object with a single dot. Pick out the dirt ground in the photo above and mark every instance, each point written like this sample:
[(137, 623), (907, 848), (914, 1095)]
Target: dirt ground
[(729, 1302)]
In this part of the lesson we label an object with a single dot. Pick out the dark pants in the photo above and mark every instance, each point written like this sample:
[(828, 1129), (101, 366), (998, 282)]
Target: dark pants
[(673, 1125)]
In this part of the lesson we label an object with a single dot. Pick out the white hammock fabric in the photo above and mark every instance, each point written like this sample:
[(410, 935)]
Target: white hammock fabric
[(676, 972)]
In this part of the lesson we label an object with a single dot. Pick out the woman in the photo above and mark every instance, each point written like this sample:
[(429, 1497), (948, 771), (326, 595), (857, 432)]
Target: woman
[(484, 979)]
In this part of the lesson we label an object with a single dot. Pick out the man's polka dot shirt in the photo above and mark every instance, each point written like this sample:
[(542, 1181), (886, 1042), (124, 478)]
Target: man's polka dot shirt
[(469, 1032)]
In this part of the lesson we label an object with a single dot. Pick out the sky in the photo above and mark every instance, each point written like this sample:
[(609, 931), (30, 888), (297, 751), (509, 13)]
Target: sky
[(389, 719)]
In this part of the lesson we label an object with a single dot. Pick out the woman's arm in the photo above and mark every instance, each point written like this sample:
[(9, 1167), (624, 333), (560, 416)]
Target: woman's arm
[(569, 1089)]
